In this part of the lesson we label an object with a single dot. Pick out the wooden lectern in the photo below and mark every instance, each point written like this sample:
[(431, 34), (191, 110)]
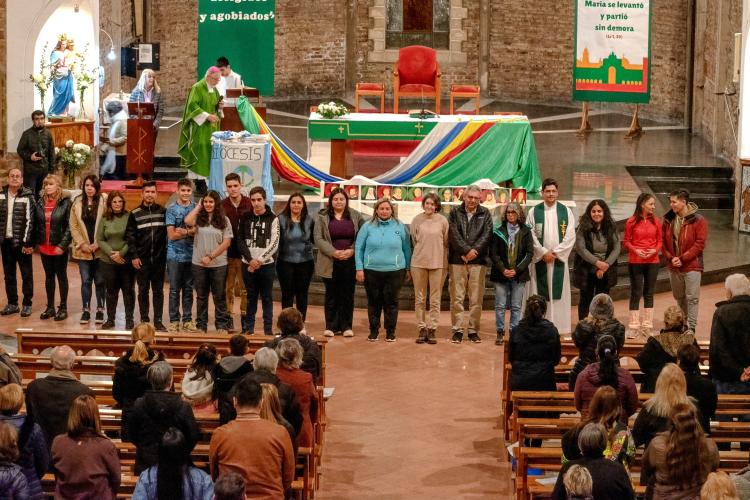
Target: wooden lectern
[(231, 120), (141, 141)]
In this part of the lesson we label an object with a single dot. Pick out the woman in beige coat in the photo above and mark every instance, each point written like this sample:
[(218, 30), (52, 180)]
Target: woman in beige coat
[(85, 215)]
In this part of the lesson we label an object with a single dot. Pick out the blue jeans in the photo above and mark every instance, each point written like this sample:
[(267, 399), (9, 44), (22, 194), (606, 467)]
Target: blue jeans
[(180, 282), (259, 283), (90, 276), (512, 290), (211, 280)]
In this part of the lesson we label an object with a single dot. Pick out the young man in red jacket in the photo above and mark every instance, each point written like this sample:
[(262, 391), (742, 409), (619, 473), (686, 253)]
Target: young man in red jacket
[(684, 234)]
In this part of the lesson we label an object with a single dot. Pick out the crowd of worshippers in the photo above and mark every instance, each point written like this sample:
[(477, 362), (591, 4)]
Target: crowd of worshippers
[(267, 406), (673, 425), (237, 246)]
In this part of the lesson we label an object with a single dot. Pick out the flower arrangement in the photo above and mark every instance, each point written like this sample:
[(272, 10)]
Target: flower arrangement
[(42, 79), (332, 110), (84, 79), (74, 158)]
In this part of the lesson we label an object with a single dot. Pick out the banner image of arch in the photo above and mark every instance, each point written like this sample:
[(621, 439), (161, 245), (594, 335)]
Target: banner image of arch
[(612, 56), (243, 32)]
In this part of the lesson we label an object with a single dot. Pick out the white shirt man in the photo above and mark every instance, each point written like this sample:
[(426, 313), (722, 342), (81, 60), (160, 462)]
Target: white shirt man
[(553, 229)]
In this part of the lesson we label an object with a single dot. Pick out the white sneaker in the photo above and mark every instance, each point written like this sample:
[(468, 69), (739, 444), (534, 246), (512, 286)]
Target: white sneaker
[(328, 333), (348, 333)]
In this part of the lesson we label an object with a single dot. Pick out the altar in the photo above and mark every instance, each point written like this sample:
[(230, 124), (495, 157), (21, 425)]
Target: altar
[(344, 131)]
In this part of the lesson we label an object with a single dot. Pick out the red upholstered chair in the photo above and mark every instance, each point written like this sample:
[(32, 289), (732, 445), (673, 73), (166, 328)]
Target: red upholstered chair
[(369, 89), (416, 75), (465, 91)]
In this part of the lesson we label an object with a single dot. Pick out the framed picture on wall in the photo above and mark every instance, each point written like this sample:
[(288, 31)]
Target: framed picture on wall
[(744, 222)]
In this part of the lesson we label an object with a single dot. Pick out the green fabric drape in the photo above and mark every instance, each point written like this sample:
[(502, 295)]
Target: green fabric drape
[(505, 152)]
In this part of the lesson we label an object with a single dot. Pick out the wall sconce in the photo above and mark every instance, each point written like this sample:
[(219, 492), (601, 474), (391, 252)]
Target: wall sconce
[(111, 55)]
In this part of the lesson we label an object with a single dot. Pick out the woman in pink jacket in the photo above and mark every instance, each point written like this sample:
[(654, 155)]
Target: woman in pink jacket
[(643, 241)]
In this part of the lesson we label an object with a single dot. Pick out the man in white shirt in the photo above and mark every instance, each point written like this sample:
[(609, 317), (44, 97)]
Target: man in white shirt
[(229, 79)]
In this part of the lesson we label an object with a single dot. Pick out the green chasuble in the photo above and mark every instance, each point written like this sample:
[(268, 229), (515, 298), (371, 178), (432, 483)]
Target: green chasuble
[(558, 270), (195, 140)]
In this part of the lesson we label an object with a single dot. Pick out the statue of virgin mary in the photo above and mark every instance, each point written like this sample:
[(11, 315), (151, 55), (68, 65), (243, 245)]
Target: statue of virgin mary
[(63, 86)]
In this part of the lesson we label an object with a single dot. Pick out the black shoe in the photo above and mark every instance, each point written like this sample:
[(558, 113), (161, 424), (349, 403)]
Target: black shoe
[(431, 337), (48, 313), (26, 311), (390, 337), (62, 314), (145, 319), (85, 317), (10, 309), (474, 337), (129, 324), (99, 317), (108, 325), (373, 337), (159, 326), (422, 338), (457, 337), (499, 340)]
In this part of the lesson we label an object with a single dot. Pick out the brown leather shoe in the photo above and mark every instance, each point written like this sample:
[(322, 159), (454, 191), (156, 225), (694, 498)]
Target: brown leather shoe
[(422, 338)]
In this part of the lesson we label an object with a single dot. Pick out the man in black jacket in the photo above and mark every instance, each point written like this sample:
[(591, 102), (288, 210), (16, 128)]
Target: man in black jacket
[(48, 399), (729, 351), (37, 150), (470, 230), (17, 241), (147, 240)]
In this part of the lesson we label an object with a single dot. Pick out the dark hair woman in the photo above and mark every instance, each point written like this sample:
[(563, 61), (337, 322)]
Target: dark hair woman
[(600, 321), (677, 462), (295, 264), (198, 383), (115, 263), (52, 224), (212, 239), (334, 233), (175, 477), (643, 242), (605, 409), (606, 371), (597, 250), (85, 216), (382, 257), (85, 461)]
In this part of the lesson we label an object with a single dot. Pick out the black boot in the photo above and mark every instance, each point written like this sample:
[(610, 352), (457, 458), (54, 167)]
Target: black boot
[(431, 336), (499, 339), (48, 313), (62, 313), (422, 338)]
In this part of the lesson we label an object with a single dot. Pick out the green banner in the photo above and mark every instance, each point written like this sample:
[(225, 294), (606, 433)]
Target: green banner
[(612, 57), (243, 32)]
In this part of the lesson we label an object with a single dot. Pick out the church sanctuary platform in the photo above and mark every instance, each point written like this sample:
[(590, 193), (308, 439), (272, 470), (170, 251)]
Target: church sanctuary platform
[(385, 99)]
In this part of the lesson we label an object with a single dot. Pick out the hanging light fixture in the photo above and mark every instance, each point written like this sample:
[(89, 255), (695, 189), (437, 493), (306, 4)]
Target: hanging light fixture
[(111, 55)]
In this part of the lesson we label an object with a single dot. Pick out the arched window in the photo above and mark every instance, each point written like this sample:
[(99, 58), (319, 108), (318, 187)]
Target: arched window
[(417, 22)]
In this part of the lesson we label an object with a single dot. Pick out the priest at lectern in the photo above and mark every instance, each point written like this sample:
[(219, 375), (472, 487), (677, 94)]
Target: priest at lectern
[(201, 118)]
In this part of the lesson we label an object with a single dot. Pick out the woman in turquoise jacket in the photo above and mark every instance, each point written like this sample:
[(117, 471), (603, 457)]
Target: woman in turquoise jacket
[(382, 256)]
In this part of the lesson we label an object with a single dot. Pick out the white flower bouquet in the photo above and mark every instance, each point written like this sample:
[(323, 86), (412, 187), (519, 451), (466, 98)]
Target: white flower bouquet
[(43, 79), (332, 110), (74, 158)]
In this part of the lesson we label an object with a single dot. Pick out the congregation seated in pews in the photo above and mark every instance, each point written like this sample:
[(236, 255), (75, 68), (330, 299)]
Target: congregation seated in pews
[(677, 443), (165, 420)]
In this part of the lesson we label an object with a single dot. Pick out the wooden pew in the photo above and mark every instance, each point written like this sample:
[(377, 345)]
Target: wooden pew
[(114, 343), (87, 367), (569, 354)]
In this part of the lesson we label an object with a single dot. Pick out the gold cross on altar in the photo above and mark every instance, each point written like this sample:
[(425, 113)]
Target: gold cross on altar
[(341, 129), (418, 126)]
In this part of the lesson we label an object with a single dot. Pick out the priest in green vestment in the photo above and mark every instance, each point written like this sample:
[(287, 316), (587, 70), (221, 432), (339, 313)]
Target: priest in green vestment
[(201, 118)]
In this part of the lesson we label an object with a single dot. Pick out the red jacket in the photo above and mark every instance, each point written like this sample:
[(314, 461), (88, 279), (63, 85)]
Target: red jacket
[(642, 234), (693, 235)]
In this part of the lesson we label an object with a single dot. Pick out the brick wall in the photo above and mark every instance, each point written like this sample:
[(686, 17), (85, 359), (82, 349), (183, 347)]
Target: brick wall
[(714, 60), (175, 27), (3, 73), (531, 54)]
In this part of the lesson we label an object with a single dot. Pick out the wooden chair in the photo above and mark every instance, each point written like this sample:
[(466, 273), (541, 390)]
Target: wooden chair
[(416, 75), (467, 92), (369, 89)]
